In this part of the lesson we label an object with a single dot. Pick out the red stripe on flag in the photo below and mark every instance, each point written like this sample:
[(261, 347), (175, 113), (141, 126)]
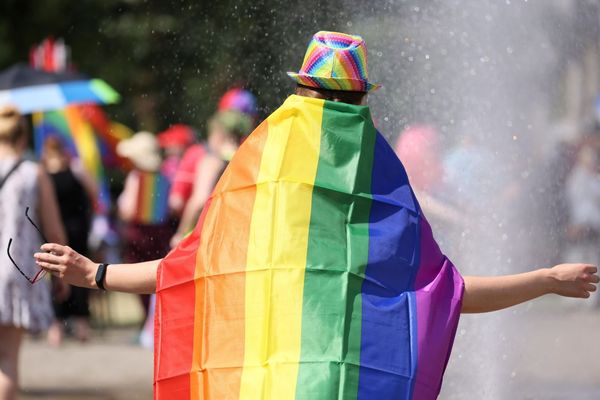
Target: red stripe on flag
[(174, 318)]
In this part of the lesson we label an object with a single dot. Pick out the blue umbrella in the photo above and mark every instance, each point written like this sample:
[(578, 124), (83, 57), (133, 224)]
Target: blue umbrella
[(32, 90)]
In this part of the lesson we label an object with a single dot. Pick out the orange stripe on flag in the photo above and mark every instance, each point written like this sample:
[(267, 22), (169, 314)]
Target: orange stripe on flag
[(218, 345)]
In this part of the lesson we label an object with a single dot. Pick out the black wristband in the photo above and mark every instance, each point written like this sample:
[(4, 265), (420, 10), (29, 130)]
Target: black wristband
[(101, 275)]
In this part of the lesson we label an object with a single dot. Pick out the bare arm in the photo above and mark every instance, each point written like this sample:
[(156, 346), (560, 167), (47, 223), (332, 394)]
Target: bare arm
[(126, 203), (204, 181), (73, 268), (49, 214), (485, 294)]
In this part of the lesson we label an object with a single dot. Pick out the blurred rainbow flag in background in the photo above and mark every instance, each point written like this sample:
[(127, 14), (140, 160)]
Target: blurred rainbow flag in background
[(153, 196), (90, 137), (311, 274)]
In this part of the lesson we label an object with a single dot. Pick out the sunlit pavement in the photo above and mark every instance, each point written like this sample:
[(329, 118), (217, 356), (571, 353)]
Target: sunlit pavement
[(546, 350), (109, 367), (539, 352)]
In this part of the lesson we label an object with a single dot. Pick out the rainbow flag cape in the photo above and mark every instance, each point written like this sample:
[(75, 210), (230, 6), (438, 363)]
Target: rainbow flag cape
[(311, 274)]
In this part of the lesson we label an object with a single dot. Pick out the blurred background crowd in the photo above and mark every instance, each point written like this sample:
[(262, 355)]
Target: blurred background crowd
[(492, 106)]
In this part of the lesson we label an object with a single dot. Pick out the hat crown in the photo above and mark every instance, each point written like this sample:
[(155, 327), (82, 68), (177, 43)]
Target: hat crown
[(335, 61)]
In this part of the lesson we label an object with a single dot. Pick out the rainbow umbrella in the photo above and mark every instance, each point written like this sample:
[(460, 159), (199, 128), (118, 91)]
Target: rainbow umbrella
[(32, 90)]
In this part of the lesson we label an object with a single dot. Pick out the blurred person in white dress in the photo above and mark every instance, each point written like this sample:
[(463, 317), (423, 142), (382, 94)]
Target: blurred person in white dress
[(24, 306)]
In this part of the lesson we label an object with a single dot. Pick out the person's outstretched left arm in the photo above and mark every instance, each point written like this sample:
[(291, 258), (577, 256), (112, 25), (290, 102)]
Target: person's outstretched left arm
[(492, 293), (76, 269)]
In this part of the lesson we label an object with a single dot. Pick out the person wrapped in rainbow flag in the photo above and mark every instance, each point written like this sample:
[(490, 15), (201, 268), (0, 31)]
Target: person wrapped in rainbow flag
[(312, 272)]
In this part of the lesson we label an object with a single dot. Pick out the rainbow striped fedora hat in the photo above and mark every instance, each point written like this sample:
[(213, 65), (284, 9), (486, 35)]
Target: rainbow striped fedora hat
[(335, 61)]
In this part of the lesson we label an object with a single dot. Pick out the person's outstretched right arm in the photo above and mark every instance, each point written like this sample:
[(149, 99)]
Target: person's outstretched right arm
[(492, 293), (75, 269)]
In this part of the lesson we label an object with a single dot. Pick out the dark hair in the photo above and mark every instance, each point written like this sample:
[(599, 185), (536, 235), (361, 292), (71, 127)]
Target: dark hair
[(344, 96)]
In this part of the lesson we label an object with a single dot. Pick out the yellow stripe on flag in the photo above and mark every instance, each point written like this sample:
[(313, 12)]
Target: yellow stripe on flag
[(277, 250)]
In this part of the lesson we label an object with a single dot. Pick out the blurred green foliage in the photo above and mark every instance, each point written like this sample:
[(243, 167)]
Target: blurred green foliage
[(172, 60)]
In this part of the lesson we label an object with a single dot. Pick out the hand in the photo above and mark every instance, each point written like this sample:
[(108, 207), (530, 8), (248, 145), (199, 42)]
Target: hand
[(65, 263), (573, 280)]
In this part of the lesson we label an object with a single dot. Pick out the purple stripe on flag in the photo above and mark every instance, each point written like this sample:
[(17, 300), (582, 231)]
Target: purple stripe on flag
[(439, 289)]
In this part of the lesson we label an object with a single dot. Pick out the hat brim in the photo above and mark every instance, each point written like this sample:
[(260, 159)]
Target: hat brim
[(354, 85), (146, 162)]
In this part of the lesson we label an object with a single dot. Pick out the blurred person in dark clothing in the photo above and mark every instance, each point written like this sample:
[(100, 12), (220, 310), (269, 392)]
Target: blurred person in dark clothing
[(75, 191)]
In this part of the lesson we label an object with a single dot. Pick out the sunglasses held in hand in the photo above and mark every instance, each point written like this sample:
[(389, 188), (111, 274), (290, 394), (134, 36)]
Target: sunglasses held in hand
[(41, 273)]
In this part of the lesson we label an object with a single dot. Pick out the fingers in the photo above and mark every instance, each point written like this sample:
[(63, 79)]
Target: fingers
[(590, 269), (587, 277), (593, 278), (54, 248), (56, 270), (589, 287), (49, 258)]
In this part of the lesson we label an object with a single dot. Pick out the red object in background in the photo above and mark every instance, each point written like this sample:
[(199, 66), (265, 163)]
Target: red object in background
[(177, 135), (109, 137), (183, 182), (51, 55)]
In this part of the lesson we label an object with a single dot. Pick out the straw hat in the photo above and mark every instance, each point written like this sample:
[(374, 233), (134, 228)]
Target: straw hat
[(335, 61), (143, 151)]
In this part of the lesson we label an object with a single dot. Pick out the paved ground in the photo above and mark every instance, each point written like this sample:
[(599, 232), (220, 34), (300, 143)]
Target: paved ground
[(110, 367), (543, 351), (547, 350)]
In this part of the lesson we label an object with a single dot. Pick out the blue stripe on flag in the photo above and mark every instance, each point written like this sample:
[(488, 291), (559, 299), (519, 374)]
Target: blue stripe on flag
[(387, 358)]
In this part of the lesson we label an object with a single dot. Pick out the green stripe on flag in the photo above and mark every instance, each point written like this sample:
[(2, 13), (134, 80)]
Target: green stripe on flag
[(338, 249)]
